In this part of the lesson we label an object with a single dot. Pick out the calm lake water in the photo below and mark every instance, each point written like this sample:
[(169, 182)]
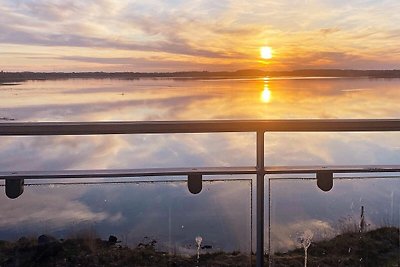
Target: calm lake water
[(222, 214)]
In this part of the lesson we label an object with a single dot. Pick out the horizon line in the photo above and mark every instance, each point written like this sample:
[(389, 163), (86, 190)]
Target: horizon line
[(201, 71)]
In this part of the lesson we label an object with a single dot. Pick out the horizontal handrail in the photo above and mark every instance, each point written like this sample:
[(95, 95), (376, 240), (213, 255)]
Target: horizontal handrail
[(146, 172), (214, 126)]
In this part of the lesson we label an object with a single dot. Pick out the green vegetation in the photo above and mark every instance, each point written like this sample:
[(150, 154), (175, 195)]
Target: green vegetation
[(378, 247), (47, 251)]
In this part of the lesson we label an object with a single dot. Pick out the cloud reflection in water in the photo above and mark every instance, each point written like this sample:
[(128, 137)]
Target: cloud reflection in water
[(168, 99)]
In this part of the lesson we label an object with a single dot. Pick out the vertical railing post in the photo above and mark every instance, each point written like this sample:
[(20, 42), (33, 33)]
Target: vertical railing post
[(260, 200)]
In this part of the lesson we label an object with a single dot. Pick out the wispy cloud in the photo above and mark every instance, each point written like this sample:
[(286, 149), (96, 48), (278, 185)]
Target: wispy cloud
[(326, 31), (223, 33)]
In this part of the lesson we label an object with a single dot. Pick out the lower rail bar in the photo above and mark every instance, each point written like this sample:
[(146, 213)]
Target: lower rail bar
[(66, 174)]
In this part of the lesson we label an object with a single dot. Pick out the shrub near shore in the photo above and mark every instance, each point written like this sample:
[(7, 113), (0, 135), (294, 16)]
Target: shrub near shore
[(378, 247)]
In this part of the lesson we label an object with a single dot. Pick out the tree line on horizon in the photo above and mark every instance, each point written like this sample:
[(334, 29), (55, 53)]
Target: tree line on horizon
[(8, 77)]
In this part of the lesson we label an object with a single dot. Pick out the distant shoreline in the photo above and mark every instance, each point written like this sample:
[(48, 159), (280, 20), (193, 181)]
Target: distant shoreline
[(5, 84), (12, 78)]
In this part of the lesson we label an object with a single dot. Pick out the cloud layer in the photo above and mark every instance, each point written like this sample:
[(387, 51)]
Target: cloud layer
[(197, 35)]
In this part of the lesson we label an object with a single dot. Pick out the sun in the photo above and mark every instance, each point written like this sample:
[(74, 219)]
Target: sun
[(266, 52)]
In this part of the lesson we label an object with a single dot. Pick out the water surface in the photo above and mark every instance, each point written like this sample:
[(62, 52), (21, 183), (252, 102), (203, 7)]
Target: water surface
[(189, 99)]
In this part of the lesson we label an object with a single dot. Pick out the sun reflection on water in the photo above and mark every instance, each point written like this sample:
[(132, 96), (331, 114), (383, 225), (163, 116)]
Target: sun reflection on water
[(266, 93)]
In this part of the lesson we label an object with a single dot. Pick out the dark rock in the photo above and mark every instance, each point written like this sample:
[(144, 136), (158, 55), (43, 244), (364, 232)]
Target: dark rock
[(6, 119), (112, 240), (46, 240)]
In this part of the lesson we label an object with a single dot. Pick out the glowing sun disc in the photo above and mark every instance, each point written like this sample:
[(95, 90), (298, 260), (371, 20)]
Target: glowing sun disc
[(266, 52)]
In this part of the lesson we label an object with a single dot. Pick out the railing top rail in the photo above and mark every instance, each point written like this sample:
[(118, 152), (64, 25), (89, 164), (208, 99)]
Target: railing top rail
[(205, 126), (118, 173)]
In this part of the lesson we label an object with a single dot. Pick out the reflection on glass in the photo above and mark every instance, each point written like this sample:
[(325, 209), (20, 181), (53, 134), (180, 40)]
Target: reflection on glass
[(342, 227), (159, 215)]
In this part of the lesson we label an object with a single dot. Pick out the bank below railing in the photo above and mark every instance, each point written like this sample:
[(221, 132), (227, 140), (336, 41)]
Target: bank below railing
[(324, 174)]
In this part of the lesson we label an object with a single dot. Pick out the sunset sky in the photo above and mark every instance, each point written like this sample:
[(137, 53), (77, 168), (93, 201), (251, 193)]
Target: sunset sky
[(176, 35)]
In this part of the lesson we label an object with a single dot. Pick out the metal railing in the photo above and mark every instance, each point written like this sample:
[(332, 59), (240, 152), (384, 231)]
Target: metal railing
[(324, 174)]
